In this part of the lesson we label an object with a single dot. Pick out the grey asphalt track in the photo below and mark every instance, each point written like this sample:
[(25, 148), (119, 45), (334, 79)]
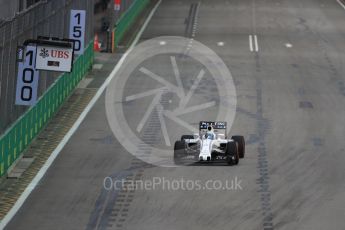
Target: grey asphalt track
[(290, 108)]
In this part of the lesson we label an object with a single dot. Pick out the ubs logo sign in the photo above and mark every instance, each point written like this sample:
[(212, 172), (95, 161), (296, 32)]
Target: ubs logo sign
[(44, 53)]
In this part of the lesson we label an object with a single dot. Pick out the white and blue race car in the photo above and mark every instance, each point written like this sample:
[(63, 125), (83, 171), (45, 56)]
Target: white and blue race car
[(209, 145)]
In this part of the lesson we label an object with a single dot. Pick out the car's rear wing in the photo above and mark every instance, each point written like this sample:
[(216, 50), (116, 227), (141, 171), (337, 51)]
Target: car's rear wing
[(219, 127)]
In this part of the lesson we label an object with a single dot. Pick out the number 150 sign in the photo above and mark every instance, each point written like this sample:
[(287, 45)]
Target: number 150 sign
[(77, 30)]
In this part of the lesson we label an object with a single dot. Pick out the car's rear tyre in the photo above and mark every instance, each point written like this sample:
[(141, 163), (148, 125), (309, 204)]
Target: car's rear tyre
[(241, 145), (179, 151), (232, 153), (186, 137)]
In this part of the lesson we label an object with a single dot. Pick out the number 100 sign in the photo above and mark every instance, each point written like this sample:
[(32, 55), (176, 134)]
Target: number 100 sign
[(77, 30), (27, 79)]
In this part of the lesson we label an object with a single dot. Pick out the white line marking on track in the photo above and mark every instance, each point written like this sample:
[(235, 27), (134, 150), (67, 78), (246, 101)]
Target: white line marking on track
[(251, 43), (342, 4), (220, 43), (256, 43), (288, 45), (75, 126)]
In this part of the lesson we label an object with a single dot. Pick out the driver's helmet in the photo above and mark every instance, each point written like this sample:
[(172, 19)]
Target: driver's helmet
[(210, 136)]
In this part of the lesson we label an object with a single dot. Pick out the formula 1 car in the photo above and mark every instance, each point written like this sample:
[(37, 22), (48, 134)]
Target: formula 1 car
[(209, 145)]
